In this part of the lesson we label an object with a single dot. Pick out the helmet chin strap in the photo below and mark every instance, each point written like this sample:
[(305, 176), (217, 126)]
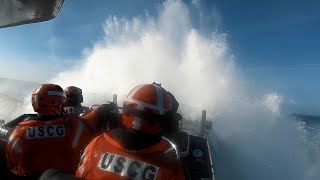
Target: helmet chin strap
[(134, 140)]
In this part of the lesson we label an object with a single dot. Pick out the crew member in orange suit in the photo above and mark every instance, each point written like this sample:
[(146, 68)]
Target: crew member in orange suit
[(136, 150), (72, 105), (48, 140)]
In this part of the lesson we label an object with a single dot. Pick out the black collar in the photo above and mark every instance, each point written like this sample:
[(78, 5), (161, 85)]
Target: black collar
[(132, 139)]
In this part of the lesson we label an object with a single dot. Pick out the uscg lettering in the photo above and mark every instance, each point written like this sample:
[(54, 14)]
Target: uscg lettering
[(45, 131), (127, 167), (71, 110)]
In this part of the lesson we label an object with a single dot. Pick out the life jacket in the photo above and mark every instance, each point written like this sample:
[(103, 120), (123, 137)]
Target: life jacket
[(36, 145), (106, 157)]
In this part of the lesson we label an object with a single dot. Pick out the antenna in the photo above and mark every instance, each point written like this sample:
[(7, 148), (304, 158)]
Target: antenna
[(203, 123), (115, 99)]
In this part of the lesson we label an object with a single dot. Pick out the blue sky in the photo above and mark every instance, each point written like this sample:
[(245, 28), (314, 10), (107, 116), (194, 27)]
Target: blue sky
[(78, 25), (275, 43)]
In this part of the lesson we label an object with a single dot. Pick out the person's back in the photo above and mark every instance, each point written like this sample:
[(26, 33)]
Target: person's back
[(136, 150), (105, 158), (48, 141), (37, 145)]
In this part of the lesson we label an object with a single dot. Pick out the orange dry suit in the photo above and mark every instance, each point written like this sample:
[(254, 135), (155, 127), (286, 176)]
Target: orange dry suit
[(39, 144), (127, 154)]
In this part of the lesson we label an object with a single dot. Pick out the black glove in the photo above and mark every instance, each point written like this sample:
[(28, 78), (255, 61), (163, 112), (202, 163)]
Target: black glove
[(108, 116), (109, 107)]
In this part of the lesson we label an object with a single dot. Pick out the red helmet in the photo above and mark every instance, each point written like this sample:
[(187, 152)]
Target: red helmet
[(48, 99), (146, 107), (74, 95)]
